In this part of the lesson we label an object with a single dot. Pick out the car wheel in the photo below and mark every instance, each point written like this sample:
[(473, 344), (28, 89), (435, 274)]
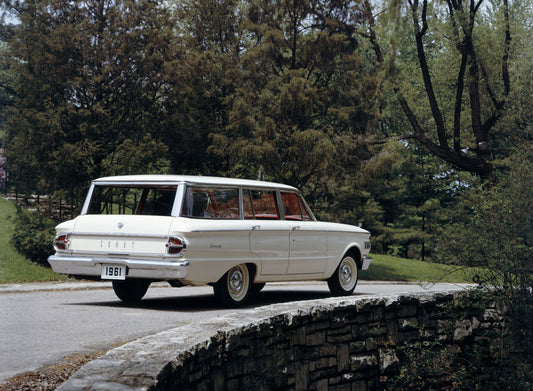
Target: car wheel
[(233, 288), (344, 280), (131, 291)]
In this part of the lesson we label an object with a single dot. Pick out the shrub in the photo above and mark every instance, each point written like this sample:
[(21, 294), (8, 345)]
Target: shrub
[(493, 357), (33, 236), (498, 240)]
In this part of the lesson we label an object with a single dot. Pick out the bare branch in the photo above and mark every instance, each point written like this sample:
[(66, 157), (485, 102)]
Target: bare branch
[(476, 7), (507, 46), (408, 112), (493, 97), (13, 6), (458, 105), (372, 34), (428, 84)]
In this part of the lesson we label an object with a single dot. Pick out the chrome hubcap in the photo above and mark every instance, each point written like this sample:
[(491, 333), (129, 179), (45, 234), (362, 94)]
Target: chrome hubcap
[(348, 273), (238, 282), (235, 281)]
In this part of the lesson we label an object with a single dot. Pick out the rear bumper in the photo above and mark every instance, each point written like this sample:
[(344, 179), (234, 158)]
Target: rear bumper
[(135, 268), (366, 262)]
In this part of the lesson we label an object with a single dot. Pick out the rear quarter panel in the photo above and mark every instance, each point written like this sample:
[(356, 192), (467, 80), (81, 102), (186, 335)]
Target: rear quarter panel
[(213, 247)]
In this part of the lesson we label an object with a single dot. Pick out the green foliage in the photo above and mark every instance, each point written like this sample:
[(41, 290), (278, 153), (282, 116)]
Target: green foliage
[(33, 236), (500, 235), (499, 241), (88, 77), (295, 92), (14, 267), (145, 157), (498, 360), (298, 102)]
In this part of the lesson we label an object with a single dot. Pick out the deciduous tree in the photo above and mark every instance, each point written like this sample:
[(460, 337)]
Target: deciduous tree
[(464, 53)]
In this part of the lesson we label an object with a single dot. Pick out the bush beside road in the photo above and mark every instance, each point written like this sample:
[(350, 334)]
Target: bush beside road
[(15, 268)]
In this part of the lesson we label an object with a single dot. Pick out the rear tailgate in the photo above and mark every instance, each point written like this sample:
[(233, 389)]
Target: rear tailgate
[(120, 235)]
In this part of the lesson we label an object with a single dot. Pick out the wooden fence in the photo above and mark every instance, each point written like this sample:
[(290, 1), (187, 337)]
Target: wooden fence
[(53, 207)]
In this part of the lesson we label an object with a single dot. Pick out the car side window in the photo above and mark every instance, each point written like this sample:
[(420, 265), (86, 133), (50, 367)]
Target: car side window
[(291, 206), (294, 207), (211, 203), (306, 213), (260, 205), (247, 203)]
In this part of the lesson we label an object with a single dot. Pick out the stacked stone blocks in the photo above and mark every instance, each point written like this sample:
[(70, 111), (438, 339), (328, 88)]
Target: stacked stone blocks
[(331, 344)]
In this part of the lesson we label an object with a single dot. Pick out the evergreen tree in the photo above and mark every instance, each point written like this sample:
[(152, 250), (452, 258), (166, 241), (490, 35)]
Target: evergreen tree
[(90, 75), (301, 102)]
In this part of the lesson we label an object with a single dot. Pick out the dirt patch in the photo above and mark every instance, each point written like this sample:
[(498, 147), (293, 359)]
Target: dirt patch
[(52, 376)]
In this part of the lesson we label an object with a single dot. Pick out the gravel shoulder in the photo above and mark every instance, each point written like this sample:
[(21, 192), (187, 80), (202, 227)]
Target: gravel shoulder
[(51, 376)]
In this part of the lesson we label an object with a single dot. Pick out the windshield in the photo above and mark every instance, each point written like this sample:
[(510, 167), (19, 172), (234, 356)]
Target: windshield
[(132, 200)]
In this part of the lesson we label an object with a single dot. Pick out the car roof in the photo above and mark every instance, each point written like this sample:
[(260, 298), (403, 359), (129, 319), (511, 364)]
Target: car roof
[(191, 179)]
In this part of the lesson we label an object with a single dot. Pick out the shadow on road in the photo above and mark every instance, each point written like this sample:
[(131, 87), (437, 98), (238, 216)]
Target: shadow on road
[(208, 302)]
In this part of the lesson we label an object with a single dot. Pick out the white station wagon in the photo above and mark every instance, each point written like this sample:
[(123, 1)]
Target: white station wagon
[(233, 234)]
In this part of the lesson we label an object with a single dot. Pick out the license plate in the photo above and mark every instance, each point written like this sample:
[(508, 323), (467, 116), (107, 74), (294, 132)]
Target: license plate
[(113, 272)]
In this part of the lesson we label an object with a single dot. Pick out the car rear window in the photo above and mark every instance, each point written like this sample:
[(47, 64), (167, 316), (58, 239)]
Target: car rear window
[(132, 200)]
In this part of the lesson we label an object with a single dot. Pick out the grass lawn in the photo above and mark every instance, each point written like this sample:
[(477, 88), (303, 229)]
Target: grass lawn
[(389, 268), (14, 267)]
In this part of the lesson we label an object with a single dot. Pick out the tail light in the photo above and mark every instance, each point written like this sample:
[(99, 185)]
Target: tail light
[(61, 242), (175, 245)]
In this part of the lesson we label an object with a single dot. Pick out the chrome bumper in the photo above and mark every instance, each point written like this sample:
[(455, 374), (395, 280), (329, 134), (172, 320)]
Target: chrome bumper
[(135, 268), (366, 262)]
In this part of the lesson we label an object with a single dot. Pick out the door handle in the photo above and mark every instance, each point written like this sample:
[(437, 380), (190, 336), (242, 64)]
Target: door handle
[(256, 227), (295, 227)]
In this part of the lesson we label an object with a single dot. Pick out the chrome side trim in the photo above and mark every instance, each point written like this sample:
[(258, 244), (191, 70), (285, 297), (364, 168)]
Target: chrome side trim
[(222, 230), (118, 234), (147, 256)]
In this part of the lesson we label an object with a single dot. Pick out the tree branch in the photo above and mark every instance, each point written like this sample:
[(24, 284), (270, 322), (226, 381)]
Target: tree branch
[(507, 46), (372, 34), (479, 164), (458, 105), (428, 84), (8, 89), (473, 80)]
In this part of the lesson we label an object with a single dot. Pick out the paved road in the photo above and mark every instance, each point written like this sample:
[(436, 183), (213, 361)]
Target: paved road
[(42, 323)]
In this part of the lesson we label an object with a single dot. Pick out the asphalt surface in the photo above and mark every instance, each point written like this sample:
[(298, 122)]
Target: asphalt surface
[(42, 323)]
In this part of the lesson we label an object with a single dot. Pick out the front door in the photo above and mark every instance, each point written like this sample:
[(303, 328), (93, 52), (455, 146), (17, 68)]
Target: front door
[(308, 248), (307, 241)]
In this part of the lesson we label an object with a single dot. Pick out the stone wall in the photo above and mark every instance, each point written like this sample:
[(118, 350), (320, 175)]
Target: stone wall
[(332, 344)]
